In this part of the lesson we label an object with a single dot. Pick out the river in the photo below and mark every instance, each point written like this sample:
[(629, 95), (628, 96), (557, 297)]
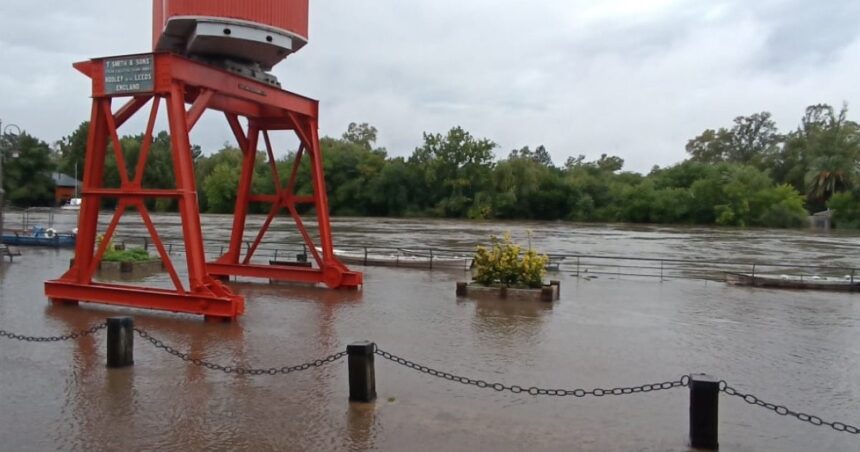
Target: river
[(797, 348)]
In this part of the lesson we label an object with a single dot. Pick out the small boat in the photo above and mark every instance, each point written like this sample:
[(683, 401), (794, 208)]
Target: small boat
[(403, 258), (40, 236), (73, 204), (846, 283)]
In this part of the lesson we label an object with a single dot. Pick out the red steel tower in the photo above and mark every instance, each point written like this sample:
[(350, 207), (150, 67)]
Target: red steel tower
[(207, 55)]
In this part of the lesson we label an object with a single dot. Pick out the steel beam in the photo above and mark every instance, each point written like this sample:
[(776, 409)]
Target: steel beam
[(206, 304)]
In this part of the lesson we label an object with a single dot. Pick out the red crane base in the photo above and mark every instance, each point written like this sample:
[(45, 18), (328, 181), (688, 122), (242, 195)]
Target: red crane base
[(176, 81)]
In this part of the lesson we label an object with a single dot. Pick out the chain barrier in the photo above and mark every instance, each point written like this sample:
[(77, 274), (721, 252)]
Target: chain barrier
[(237, 370), (535, 391), (67, 337), (684, 381), (783, 411)]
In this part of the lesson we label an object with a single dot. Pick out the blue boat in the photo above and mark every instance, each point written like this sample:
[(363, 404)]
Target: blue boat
[(39, 236)]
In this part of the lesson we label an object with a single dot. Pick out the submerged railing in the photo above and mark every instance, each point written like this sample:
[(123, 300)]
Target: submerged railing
[(585, 266)]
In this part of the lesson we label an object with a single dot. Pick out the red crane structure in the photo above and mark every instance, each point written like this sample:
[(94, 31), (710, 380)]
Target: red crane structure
[(207, 55)]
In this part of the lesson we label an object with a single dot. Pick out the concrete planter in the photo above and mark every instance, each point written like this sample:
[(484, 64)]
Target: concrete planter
[(130, 270), (548, 293)]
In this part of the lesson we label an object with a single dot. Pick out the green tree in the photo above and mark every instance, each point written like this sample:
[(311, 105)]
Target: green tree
[(218, 179), (220, 188), (780, 206), (750, 141), (821, 156), (362, 134), (846, 209), (391, 191), (27, 170), (539, 155), (351, 170), (71, 151), (734, 176), (455, 168), (828, 175)]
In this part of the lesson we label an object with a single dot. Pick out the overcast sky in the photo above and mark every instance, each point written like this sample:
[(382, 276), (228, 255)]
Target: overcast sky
[(633, 78)]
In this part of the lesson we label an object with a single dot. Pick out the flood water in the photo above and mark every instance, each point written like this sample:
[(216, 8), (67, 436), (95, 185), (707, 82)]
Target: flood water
[(797, 348)]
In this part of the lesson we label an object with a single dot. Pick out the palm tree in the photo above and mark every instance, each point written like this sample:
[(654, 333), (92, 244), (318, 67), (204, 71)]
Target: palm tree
[(828, 175)]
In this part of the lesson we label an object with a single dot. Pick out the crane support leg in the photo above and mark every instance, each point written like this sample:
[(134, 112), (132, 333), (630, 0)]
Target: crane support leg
[(164, 78)]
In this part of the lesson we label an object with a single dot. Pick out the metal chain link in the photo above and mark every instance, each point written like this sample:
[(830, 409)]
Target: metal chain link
[(67, 337), (535, 391), (783, 411), (237, 370)]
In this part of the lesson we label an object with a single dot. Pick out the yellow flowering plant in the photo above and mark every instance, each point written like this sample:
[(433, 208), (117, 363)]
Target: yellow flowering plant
[(505, 263)]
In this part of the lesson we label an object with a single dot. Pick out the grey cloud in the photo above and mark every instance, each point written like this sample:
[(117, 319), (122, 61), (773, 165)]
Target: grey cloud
[(804, 31), (637, 83)]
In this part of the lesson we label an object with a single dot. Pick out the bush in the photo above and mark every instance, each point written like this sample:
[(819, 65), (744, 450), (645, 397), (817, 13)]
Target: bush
[(502, 264), (130, 255), (846, 209), (780, 207)]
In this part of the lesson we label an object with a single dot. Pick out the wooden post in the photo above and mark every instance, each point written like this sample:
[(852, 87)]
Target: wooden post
[(704, 412), (120, 342), (362, 376)]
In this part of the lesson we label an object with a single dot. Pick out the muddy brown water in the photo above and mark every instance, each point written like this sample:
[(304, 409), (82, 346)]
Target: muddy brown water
[(798, 348)]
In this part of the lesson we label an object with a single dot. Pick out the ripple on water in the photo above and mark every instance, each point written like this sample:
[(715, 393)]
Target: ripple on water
[(797, 348)]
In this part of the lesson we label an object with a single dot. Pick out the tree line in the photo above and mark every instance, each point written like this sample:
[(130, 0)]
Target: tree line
[(746, 174)]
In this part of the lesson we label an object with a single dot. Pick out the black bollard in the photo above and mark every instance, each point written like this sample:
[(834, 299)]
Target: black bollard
[(362, 376), (120, 342), (462, 289), (704, 411)]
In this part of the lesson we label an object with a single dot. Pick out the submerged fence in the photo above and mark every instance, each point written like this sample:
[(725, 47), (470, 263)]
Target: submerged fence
[(581, 265), (586, 266), (704, 390)]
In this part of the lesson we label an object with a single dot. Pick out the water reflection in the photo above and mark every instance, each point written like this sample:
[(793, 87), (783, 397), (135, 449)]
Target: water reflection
[(72, 319), (290, 291), (328, 303), (508, 323), (362, 426)]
